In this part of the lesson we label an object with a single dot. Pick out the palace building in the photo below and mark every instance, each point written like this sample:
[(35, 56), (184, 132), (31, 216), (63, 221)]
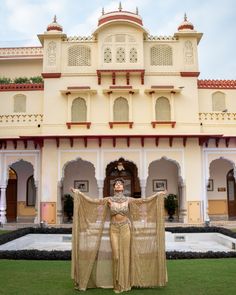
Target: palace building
[(120, 102)]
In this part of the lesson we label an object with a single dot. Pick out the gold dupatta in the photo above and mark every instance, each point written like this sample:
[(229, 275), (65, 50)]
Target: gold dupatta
[(148, 260)]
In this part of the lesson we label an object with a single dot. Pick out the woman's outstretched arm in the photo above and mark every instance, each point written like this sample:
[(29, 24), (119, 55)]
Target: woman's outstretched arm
[(144, 200), (89, 199)]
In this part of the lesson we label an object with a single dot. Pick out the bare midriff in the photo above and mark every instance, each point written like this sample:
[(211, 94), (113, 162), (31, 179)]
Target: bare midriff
[(119, 218)]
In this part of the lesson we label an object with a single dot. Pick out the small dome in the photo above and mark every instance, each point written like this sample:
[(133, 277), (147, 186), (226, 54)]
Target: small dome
[(185, 25), (120, 15), (54, 26)]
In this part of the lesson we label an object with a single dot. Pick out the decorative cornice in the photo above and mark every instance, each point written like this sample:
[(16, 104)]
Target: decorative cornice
[(217, 84), (51, 75), (22, 87), (189, 74), (16, 52), (38, 141)]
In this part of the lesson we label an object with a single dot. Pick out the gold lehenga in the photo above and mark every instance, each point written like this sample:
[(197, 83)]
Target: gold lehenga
[(143, 266)]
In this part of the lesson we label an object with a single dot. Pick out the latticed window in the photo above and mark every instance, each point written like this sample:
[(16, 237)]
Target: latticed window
[(79, 110), (133, 55), (19, 103), (120, 55), (107, 55), (79, 56), (162, 109), (161, 55), (31, 192), (121, 110), (218, 101)]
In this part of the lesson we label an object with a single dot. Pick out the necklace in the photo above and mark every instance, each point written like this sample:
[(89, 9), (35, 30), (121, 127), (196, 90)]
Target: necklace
[(119, 198)]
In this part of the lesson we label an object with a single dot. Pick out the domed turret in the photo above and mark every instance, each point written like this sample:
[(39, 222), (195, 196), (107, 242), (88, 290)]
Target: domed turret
[(54, 26), (185, 25)]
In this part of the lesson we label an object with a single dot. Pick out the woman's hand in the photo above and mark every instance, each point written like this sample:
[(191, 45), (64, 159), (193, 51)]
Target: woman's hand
[(74, 190), (161, 193)]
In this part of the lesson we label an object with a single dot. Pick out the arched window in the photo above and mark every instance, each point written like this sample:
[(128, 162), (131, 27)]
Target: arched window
[(161, 55), (79, 56), (121, 110), (218, 101), (120, 55), (107, 55), (79, 110), (31, 192), (162, 109), (19, 103), (133, 55)]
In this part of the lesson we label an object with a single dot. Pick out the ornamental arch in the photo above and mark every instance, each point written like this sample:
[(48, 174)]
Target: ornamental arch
[(221, 190), (128, 171)]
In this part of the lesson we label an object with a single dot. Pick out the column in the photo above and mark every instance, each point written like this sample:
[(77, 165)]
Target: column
[(172, 107), (183, 204), (59, 203), (3, 205), (205, 204), (37, 211), (153, 107), (130, 107), (143, 187), (100, 188)]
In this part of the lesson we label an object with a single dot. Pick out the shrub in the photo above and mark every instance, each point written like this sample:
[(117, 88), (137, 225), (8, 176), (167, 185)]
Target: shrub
[(36, 79), (21, 80), (4, 80)]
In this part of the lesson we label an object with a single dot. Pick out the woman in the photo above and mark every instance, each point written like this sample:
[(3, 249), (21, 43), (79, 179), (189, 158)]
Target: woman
[(134, 245)]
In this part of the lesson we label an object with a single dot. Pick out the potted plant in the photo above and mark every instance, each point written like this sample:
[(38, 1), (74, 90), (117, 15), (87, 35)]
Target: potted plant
[(68, 206), (171, 204)]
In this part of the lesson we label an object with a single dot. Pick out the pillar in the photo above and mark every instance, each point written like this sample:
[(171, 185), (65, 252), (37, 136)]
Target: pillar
[(3, 205)]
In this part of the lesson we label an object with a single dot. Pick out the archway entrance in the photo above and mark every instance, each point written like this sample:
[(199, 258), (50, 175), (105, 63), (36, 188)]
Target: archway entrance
[(231, 194), (129, 172), (11, 196), (221, 190)]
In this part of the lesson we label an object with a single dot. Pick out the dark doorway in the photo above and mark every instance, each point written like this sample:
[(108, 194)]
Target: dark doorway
[(231, 189), (129, 172), (11, 196)]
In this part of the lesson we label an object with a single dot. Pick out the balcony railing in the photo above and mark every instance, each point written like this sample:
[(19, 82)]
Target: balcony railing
[(21, 118), (217, 116)]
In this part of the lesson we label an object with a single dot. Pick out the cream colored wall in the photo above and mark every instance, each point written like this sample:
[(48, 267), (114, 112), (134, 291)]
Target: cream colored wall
[(49, 175), (114, 29), (20, 68), (218, 172), (34, 102), (193, 169), (205, 99)]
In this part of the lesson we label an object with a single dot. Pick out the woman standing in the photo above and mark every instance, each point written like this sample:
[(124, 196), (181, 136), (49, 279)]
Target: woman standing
[(129, 236)]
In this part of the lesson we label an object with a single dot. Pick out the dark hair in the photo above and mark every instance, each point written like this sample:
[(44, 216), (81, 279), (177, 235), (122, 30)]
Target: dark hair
[(118, 180)]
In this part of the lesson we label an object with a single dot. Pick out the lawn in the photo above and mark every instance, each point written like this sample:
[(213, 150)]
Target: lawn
[(186, 277), (3, 231)]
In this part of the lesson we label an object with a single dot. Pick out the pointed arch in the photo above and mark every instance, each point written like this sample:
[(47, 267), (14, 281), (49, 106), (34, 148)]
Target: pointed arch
[(79, 110), (19, 103), (218, 101), (121, 110), (162, 109)]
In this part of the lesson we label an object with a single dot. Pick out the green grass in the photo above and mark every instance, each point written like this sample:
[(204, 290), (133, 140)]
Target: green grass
[(186, 277), (3, 231)]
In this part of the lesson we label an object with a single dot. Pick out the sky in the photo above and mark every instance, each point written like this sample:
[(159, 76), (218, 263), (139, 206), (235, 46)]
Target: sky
[(22, 20)]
